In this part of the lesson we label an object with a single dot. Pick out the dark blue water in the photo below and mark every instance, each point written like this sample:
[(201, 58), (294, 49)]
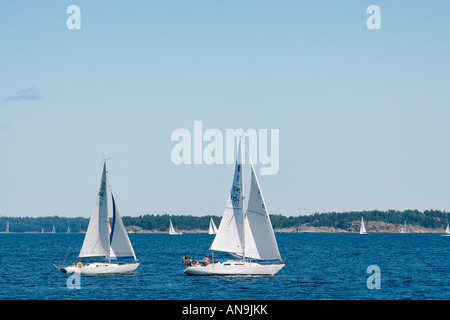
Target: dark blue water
[(318, 266)]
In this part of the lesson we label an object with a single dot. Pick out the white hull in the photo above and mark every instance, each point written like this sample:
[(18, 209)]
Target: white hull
[(234, 268), (101, 268)]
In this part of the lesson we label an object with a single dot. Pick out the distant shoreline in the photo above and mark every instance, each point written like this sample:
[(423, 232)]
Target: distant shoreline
[(391, 221), (371, 227)]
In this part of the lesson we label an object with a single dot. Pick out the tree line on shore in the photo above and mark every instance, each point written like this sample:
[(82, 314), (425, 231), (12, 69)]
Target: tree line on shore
[(342, 220)]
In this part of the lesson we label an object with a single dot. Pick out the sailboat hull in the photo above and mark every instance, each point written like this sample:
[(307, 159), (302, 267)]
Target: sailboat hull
[(229, 268), (101, 268)]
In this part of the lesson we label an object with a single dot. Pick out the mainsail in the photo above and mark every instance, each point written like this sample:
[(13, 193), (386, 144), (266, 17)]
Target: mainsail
[(96, 241), (229, 234)]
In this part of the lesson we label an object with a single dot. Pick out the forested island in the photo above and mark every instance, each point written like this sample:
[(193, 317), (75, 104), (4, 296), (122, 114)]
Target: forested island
[(376, 221)]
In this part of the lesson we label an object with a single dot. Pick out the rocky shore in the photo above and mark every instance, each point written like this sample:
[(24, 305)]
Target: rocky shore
[(371, 227)]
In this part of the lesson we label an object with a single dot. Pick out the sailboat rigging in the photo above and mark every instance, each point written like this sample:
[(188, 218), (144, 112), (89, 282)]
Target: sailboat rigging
[(103, 239), (245, 234)]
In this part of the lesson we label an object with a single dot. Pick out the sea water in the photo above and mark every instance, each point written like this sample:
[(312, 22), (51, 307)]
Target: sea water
[(318, 266)]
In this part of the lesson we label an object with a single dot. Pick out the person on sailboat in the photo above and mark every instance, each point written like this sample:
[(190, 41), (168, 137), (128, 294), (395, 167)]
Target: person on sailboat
[(206, 260), (186, 260)]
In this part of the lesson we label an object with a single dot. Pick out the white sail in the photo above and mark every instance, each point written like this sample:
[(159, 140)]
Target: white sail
[(404, 228), (7, 226), (121, 247), (96, 241), (447, 230), (212, 227), (229, 234), (172, 230), (362, 229), (260, 242)]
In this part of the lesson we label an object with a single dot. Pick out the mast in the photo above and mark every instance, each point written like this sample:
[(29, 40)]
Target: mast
[(243, 196), (107, 213)]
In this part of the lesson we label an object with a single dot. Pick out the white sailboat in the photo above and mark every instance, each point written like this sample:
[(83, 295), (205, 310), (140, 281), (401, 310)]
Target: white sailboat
[(403, 228), (105, 240), (362, 229), (246, 235), (212, 227), (447, 231), (172, 229)]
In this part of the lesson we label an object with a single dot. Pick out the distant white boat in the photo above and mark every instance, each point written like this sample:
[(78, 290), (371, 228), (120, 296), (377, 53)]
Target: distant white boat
[(105, 240), (7, 226), (212, 227), (172, 229), (404, 230), (447, 231), (244, 234), (362, 229)]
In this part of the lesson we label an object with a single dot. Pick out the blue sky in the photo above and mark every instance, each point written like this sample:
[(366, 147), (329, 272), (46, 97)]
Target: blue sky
[(363, 114)]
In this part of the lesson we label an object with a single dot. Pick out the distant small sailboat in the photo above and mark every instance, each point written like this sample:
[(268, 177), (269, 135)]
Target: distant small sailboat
[(244, 234), (404, 230), (362, 229), (7, 226), (53, 230), (447, 231), (172, 229), (103, 239), (68, 229), (212, 227)]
